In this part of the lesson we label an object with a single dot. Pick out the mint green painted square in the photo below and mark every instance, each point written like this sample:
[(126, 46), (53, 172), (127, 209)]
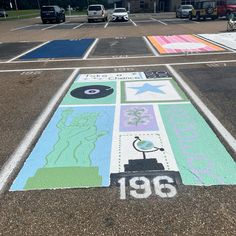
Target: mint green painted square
[(201, 157), (70, 100)]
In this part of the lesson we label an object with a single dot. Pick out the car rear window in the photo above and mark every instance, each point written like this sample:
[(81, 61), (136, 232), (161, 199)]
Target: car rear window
[(95, 8), (48, 9), (186, 7), (119, 10)]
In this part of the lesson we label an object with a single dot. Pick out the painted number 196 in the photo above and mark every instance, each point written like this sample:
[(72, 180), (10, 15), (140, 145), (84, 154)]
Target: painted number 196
[(142, 187)]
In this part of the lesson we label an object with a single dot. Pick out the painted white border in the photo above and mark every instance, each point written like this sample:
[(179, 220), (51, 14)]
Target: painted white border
[(204, 109), (154, 51), (32, 49), (21, 151), (122, 66), (90, 49)]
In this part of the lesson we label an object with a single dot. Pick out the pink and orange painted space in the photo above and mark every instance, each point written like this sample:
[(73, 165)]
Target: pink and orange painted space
[(182, 43)]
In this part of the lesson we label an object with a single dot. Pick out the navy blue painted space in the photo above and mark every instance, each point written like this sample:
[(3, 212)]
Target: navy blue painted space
[(60, 49)]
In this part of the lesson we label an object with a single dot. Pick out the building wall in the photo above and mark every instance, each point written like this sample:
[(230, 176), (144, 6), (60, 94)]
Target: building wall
[(148, 5)]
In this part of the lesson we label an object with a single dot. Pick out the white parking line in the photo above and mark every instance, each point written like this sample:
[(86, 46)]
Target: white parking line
[(133, 23), (231, 141), (105, 26), (24, 27), (19, 155), (22, 54), (163, 23), (53, 26), (76, 27), (90, 49), (121, 66), (151, 47)]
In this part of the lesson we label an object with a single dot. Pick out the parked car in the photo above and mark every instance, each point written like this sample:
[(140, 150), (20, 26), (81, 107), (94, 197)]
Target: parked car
[(226, 7), (3, 13), (183, 11), (204, 9), (120, 14), (52, 14), (96, 12)]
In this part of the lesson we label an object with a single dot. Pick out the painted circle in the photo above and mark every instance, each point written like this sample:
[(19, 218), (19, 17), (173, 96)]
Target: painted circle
[(145, 145), (92, 92), (184, 46)]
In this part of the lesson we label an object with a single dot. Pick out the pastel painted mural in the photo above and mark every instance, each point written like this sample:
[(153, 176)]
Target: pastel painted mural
[(114, 126), (225, 39), (181, 44)]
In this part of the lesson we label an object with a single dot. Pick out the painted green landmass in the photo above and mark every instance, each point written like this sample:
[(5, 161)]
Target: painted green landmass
[(64, 177), (76, 140)]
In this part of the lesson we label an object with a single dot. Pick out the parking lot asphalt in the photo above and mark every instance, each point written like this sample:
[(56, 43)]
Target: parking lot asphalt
[(28, 86)]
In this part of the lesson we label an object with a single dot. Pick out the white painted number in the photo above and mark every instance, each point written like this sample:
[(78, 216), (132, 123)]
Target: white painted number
[(142, 187), (163, 189)]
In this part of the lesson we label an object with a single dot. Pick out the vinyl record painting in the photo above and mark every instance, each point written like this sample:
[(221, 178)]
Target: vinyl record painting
[(92, 92)]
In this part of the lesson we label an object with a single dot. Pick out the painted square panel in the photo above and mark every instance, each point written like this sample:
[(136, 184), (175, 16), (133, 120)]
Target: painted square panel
[(150, 91), (137, 118), (181, 44), (91, 93)]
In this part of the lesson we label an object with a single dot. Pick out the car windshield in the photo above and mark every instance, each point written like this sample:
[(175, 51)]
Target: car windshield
[(208, 4), (186, 7), (95, 8), (231, 2), (48, 9), (120, 10)]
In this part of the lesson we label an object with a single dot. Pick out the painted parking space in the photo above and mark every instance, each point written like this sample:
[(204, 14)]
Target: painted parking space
[(225, 39), (181, 44), (178, 21), (120, 24), (60, 49), (120, 47), (216, 84), (11, 50), (39, 26), (125, 124)]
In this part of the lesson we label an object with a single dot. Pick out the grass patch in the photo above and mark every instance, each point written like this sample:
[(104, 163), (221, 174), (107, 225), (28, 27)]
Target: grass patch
[(21, 14)]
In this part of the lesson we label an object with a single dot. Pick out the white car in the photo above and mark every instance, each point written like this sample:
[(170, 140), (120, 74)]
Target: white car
[(96, 12), (120, 14)]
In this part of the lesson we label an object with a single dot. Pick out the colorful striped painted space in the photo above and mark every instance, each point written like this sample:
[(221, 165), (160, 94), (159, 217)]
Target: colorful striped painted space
[(182, 43)]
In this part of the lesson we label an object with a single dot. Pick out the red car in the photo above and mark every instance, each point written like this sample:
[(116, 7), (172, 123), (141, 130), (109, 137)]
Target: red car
[(226, 7)]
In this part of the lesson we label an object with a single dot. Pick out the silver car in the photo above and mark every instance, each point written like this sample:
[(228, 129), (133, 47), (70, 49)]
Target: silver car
[(183, 11)]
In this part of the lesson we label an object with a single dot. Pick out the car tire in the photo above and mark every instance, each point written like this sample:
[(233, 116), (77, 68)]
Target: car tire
[(177, 15), (190, 16), (64, 19), (44, 21), (198, 16)]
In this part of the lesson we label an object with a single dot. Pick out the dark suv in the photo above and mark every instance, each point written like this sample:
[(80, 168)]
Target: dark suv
[(52, 14), (204, 9)]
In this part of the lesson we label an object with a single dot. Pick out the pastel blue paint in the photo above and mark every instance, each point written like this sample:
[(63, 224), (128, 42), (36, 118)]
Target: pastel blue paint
[(60, 49), (100, 157)]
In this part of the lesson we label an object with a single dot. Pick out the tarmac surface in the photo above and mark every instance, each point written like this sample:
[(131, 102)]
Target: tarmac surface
[(27, 87)]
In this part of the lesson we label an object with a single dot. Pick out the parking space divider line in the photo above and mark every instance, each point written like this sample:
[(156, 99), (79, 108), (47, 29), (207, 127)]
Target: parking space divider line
[(23, 27), (231, 141), (151, 47), (161, 22), (52, 26), (32, 49), (76, 27), (133, 23), (218, 44), (105, 26), (90, 49), (22, 151)]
